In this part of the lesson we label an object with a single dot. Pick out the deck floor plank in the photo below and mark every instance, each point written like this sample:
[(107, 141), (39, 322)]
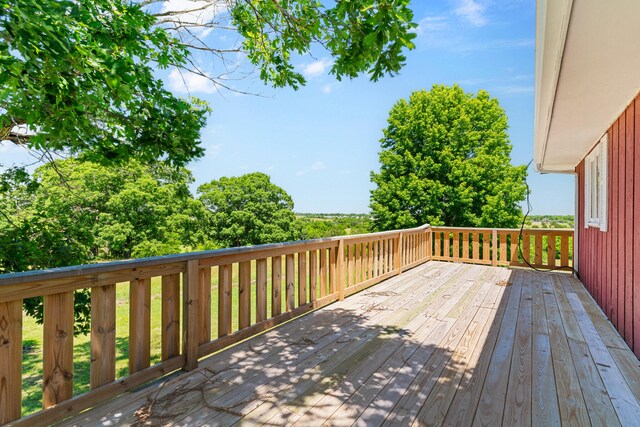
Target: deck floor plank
[(303, 377), (491, 406), (410, 403), (572, 405), (518, 406), (443, 343), (463, 407), (544, 405), (391, 322)]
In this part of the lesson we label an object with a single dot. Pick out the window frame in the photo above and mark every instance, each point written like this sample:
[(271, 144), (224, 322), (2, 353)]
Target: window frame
[(596, 183)]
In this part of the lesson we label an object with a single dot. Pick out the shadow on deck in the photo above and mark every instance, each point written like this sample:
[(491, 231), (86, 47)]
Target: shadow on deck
[(443, 343)]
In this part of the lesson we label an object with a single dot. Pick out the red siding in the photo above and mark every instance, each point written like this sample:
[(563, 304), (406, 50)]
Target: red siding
[(609, 262)]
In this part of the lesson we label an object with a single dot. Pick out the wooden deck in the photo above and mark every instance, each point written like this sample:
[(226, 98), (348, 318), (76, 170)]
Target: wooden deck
[(443, 343)]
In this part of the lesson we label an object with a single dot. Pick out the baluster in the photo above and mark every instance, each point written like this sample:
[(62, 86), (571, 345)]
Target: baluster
[(224, 299), (190, 309), (291, 281), (244, 295), (261, 290), (57, 348), (103, 335), (302, 278), (204, 305), (10, 360), (170, 316), (139, 324)]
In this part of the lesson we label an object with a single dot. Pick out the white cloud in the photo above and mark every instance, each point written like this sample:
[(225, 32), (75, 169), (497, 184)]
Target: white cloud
[(318, 166), (186, 82), (316, 68), (472, 12), (432, 24), (327, 88), (193, 13)]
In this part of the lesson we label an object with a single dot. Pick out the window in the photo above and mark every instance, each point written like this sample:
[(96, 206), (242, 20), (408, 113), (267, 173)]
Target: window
[(595, 190)]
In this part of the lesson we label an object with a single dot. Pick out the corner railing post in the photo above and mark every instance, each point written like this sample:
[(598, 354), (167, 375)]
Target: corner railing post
[(340, 273), (494, 252), (190, 315)]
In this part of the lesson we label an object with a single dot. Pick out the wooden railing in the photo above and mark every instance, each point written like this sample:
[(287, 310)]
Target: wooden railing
[(255, 288), (539, 248)]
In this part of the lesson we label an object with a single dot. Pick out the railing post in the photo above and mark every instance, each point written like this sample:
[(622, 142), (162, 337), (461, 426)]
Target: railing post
[(10, 360), (340, 273), (190, 315), (398, 253), (494, 252)]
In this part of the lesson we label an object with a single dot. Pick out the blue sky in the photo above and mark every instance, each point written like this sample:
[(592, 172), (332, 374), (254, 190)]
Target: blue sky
[(320, 143)]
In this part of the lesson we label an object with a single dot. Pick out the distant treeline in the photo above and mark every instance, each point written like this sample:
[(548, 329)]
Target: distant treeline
[(319, 225), (549, 221)]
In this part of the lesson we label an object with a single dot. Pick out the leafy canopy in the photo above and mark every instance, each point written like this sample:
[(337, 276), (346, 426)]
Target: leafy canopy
[(96, 212), (445, 160), (248, 210), (79, 74), (362, 35)]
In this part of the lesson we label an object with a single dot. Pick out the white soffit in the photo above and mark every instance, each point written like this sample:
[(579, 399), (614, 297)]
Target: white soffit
[(587, 72)]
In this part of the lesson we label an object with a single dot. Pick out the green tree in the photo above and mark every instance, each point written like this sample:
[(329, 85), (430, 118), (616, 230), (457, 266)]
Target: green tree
[(80, 73), (94, 212), (445, 160), (248, 210)]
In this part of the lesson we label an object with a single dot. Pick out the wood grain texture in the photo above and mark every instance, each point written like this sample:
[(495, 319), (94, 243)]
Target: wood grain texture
[(244, 289), (224, 299), (323, 273), (313, 276), (340, 271), (10, 360), (290, 279), (103, 335), (302, 278), (190, 313), (139, 324), (261, 290), (204, 305), (170, 316), (276, 285), (57, 364)]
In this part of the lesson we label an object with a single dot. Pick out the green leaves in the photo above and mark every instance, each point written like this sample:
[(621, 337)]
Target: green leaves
[(96, 212), (248, 210), (80, 74), (363, 36), (445, 160)]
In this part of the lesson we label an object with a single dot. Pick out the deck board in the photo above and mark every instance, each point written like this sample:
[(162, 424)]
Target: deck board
[(443, 343)]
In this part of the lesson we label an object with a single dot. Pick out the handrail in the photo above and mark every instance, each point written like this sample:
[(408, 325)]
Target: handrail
[(268, 284), (50, 273), (542, 248)]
